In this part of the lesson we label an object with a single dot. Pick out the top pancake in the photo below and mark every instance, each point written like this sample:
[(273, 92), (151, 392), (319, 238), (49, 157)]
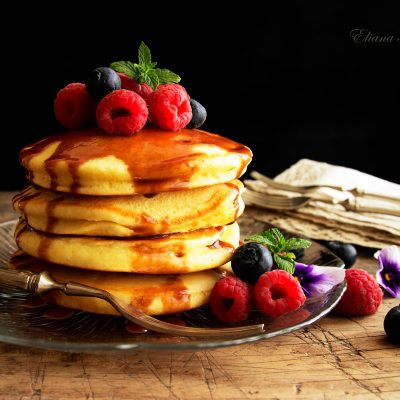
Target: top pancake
[(150, 161)]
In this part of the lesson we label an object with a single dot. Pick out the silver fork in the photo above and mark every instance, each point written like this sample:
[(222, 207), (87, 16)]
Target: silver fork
[(283, 186), (42, 283), (292, 203), (309, 189), (275, 202)]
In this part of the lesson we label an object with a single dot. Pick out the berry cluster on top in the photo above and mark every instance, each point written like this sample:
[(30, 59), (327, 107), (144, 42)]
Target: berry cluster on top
[(123, 98)]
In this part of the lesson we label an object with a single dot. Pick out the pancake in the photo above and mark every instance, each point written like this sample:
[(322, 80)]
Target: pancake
[(175, 253), (134, 215), (154, 294), (150, 161)]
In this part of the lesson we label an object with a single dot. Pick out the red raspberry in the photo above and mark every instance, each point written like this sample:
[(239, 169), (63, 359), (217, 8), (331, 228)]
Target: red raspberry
[(230, 300), (363, 295), (277, 292), (142, 89), (74, 107), (122, 111), (169, 107)]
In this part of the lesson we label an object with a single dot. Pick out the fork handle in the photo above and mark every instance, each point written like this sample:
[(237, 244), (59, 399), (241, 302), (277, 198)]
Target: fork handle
[(78, 289), (20, 279), (38, 283)]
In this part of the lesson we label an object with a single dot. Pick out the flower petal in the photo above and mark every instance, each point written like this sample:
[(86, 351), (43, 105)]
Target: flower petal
[(388, 274), (389, 257), (316, 280)]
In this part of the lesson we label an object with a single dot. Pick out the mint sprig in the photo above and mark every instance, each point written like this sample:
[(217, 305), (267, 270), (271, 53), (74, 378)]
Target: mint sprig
[(280, 247), (144, 71)]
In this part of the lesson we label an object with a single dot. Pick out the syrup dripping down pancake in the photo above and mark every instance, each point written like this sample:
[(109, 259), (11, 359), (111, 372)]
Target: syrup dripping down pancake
[(154, 294), (175, 253), (134, 215), (150, 161)]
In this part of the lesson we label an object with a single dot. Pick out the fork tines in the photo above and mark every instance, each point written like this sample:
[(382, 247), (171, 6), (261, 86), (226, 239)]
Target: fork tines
[(274, 201)]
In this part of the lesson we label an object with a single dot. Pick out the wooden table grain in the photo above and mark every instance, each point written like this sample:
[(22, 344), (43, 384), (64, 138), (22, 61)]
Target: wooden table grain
[(336, 358)]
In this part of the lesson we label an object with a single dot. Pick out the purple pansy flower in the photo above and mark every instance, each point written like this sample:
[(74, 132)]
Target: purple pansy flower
[(315, 280), (388, 275)]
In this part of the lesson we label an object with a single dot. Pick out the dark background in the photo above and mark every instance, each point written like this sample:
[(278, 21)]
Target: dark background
[(286, 79)]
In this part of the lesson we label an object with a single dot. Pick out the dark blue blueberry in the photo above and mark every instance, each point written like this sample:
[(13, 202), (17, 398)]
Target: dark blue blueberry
[(250, 261), (199, 115), (102, 81), (347, 252), (392, 324)]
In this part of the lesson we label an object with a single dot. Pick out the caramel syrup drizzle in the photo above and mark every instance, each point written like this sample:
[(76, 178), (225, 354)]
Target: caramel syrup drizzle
[(157, 160), (172, 292), (162, 163)]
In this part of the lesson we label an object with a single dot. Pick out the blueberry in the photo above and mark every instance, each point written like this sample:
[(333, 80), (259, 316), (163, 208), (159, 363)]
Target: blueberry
[(347, 252), (199, 115), (102, 81), (250, 261), (392, 324)]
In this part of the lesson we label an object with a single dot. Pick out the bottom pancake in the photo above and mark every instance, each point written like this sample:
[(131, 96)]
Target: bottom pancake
[(154, 294)]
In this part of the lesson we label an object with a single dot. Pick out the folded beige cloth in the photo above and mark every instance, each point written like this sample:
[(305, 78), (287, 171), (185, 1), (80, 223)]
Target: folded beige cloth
[(329, 220), (290, 222), (335, 197), (309, 172)]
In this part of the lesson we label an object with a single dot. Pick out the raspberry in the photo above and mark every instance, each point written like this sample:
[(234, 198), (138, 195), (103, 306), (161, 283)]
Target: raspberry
[(74, 107), (169, 107), (122, 111), (142, 89), (230, 300), (363, 295), (277, 292)]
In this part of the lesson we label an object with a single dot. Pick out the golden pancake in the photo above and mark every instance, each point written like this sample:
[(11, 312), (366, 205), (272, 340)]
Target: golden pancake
[(175, 253), (150, 161), (134, 215), (154, 294)]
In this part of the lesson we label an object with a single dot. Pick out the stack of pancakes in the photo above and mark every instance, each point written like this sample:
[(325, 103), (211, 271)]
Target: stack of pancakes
[(147, 217)]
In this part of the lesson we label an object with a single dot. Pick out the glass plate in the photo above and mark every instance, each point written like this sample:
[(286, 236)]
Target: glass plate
[(27, 320)]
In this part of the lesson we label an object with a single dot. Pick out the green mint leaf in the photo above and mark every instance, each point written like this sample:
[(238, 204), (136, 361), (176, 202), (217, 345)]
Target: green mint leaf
[(167, 76), (284, 263), (141, 73), (259, 238), (151, 78), (271, 237), (264, 241), (279, 238), (280, 247), (144, 54), (297, 243), (145, 71), (126, 67)]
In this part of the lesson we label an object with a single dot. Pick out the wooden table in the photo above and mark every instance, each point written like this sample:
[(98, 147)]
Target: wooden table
[(335, 358)]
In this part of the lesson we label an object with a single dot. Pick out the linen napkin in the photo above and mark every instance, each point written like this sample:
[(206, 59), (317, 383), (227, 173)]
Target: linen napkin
[(309, 172), (328, 219)]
